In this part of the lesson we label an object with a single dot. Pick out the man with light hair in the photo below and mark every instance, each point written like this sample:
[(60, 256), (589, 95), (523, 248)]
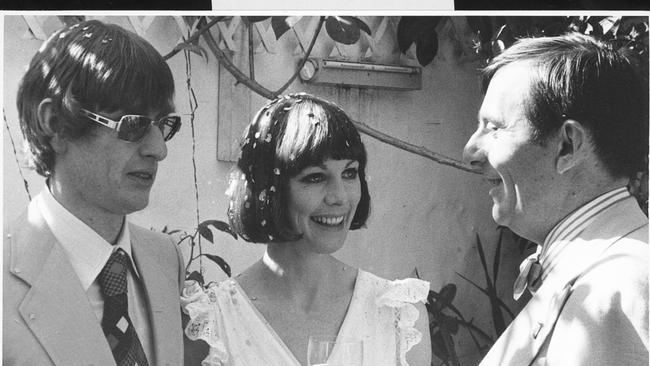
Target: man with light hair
[(562, 128)]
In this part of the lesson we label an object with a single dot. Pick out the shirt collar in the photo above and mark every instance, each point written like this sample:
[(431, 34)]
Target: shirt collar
[(87, 251), (572, 225)]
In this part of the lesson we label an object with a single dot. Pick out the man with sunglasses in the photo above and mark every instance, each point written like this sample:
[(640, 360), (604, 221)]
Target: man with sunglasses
[(82, 285)]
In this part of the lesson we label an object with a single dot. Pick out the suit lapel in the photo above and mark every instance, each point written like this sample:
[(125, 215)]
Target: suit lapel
[(56, 307), (610, 227), (523, 340), (163, 300)]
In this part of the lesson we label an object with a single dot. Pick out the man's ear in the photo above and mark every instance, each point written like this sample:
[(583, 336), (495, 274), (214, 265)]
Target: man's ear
[(48, 121), (573, 145)]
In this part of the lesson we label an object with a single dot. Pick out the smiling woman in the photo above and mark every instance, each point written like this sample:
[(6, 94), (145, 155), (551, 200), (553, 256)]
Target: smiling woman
[(299, 187), (285, 137)]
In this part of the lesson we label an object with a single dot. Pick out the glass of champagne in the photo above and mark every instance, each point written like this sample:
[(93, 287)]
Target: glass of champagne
[(330, 351)]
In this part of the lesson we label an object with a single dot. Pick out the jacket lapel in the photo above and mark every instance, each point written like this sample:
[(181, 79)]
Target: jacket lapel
[(613, 224), (163, 300), (523, 340), (56, 307)]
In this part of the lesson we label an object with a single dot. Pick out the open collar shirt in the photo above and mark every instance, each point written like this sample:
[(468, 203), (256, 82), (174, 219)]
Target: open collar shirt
[(88, 252), (558, 241)]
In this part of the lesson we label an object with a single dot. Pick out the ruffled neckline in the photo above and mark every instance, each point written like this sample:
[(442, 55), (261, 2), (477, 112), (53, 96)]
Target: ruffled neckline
[(399, 295)]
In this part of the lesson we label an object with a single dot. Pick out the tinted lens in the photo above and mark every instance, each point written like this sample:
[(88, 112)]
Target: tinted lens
[(133, 128), (169, 125)]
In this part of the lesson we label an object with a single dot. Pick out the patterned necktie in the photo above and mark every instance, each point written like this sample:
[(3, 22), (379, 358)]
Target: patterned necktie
[(118, 329)]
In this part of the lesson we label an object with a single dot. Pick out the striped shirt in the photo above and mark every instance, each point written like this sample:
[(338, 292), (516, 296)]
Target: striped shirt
[(571, 226)]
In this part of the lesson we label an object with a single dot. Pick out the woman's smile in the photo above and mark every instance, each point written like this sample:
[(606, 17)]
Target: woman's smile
[(329, 221)]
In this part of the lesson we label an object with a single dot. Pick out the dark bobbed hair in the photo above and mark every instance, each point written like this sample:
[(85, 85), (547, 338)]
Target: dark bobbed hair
[(286, 136), (92, 65), (577, 77)]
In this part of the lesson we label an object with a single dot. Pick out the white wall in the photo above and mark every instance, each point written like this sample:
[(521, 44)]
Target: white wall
[(424, 215)]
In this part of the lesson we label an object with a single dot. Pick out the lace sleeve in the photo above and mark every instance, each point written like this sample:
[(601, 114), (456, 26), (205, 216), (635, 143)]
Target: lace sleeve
[(401, 295), (201, 306)]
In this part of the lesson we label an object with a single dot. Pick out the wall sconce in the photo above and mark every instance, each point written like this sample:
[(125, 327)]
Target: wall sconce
[(361, 74)]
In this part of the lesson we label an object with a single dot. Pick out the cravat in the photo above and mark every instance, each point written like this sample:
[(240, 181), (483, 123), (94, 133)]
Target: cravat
[(529, 275), (116, 323)]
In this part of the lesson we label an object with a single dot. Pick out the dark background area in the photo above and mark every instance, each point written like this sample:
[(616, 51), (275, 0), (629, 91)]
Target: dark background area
[(105, 5), (551, 5)]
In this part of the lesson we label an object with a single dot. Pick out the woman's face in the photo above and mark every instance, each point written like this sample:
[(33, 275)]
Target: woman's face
[(322, 201)]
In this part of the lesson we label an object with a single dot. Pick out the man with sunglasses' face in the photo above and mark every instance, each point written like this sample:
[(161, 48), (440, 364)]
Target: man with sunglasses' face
[(96, 109)]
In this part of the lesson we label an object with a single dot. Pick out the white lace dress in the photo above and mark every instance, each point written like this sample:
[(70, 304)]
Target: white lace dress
[(381, 313)]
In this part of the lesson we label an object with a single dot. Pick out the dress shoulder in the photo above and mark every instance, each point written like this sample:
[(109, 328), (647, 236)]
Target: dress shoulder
[(400, 297), (202, 307)]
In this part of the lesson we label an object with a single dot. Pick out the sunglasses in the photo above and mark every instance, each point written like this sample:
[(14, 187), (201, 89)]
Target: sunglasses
[(133, 127)]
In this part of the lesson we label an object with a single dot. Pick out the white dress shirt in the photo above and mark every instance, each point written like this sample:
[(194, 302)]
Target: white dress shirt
[(565, 232), (88, 252)]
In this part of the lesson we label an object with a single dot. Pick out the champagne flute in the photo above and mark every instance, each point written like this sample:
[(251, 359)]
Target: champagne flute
[(330, 351)]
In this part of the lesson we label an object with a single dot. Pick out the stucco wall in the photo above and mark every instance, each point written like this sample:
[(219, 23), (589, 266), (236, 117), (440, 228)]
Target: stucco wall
[(424, 215)]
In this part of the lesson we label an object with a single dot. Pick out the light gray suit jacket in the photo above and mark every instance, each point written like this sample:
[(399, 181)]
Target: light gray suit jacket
[(47, 319), (592, 309)]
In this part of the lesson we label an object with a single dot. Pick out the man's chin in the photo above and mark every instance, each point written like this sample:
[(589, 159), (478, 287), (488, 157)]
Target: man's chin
[(500, 218), (135, 204)]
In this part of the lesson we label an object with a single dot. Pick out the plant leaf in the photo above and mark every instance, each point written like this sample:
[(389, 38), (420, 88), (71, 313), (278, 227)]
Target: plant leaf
[(450, 323), (205, 232), (250, 20), (439, 303), (438, 346), (196, 276), (498, 300), (194, 48), (448, 292), (280, 26), (405, 34), (221, 226), (362, 25), (221, 262), (497, 256), (426, 47), (481, 254), (342, 29)]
